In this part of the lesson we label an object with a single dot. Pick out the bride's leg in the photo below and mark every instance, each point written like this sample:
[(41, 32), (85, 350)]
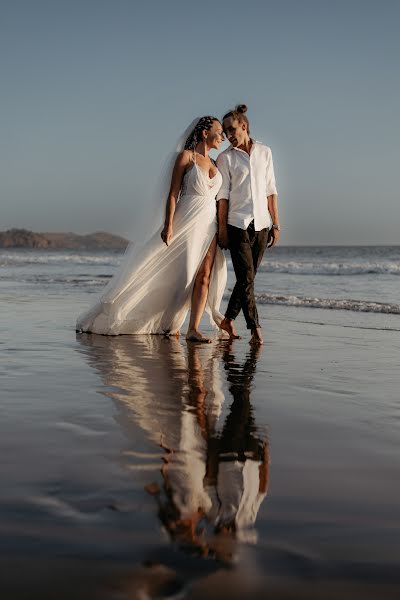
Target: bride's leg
[(199, 294)]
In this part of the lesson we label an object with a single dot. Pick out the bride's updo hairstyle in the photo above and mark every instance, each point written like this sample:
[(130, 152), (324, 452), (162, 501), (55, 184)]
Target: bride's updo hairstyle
[(238, 113), (205, 123)]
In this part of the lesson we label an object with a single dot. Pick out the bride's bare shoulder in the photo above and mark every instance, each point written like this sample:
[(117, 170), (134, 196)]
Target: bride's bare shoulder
[(184, 158), (187, 155)]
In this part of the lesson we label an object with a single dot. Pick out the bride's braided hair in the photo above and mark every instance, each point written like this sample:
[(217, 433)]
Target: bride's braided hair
[(205, 123), (238, 113)]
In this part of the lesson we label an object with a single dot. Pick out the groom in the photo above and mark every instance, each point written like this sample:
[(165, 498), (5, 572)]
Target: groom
[(248, 220)]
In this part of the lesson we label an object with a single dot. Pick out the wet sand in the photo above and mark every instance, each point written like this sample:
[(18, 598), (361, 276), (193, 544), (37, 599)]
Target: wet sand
[(145, 465)]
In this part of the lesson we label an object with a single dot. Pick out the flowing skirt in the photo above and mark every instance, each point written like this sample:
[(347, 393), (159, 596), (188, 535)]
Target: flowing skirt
[(151, 291)]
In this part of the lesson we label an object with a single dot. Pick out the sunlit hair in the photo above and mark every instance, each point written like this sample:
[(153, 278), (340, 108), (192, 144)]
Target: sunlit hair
[(238, 113), (205, 123)]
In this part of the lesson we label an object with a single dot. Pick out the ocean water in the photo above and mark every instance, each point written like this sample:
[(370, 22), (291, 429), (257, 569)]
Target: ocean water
[(105, 440), (361, 282)]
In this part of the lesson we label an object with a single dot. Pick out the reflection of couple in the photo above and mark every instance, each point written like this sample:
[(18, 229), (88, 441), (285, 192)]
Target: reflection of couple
[(215, 480), (215, 471), (155, 286)]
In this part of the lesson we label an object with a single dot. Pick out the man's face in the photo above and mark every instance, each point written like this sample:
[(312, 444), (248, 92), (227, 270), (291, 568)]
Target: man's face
[(235, 131)]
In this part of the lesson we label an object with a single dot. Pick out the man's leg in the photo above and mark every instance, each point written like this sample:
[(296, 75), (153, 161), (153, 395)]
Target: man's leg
[(236, 237), (235, 302), (240, 245), (258, 240), (258, 244)]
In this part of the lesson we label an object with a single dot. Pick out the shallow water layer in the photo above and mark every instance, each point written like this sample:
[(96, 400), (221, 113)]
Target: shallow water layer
[(143, 465), (361, 279)]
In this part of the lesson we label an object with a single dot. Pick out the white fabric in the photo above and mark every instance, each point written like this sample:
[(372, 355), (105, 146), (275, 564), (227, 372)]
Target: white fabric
[(247, 181), (238, 489), (151, 291), (186, 474)]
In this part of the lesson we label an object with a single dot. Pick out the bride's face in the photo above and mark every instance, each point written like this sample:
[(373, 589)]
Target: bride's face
[(215, 135)]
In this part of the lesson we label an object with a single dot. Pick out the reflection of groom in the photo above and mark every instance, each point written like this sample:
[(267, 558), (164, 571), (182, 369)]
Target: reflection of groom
[(248, 219), (238, 457)]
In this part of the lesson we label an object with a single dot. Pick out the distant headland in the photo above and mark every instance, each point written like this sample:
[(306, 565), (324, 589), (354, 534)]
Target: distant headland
[(23, 238)]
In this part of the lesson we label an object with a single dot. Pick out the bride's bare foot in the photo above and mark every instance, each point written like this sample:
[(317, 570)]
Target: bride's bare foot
[(228, 326), (167, 334), (193, 335), (256, 337)]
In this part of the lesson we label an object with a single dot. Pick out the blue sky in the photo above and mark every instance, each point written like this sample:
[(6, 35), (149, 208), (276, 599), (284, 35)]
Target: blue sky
[(94, 93)]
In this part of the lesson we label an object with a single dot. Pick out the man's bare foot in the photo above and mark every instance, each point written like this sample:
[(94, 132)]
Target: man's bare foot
[(256, 337), (193, 335), (228, 326)]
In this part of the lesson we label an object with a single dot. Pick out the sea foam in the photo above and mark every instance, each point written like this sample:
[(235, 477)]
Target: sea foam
[(330, 303)]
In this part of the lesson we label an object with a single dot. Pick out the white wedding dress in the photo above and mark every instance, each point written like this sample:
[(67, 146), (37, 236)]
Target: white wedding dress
[(151, 291)]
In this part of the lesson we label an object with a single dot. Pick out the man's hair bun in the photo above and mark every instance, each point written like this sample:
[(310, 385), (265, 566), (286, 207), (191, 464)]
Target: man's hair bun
[(238, 114)]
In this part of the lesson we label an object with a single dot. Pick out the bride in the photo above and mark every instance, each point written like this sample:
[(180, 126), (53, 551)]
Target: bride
[(181, 266)]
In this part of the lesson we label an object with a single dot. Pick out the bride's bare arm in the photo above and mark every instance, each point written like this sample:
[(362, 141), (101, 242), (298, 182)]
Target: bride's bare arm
[(178, 172)]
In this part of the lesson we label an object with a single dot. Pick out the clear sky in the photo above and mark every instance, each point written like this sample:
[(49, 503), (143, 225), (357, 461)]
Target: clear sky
[(93, 94)]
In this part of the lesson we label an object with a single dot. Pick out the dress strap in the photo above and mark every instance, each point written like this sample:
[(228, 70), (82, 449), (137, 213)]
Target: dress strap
[(194, 156)]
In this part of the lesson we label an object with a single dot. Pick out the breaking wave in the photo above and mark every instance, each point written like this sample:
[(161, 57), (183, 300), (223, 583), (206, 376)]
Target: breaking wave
[(32, 258), (330, 303), (330, 268)]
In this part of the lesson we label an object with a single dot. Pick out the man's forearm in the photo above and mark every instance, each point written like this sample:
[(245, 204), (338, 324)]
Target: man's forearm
[(223, 214), (273, 208)]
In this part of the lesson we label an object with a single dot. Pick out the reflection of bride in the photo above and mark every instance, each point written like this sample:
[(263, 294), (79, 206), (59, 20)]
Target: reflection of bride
[(157, 284), (148, 379)]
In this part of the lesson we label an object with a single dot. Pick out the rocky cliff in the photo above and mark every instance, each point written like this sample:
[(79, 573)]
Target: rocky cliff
[(23, 238)]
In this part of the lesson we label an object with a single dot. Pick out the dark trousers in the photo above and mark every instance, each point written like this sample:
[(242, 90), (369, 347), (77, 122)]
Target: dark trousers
[(247, 248)]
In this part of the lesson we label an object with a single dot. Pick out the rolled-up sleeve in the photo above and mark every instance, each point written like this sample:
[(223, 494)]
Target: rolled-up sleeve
[(271, 184), (223, 168)]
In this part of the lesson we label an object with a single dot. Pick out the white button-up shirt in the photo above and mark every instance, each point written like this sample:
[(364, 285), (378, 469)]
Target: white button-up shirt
[(247, 181)]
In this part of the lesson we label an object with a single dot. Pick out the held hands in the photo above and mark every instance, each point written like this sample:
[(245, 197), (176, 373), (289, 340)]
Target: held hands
[(166, 234), (223, 241)]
